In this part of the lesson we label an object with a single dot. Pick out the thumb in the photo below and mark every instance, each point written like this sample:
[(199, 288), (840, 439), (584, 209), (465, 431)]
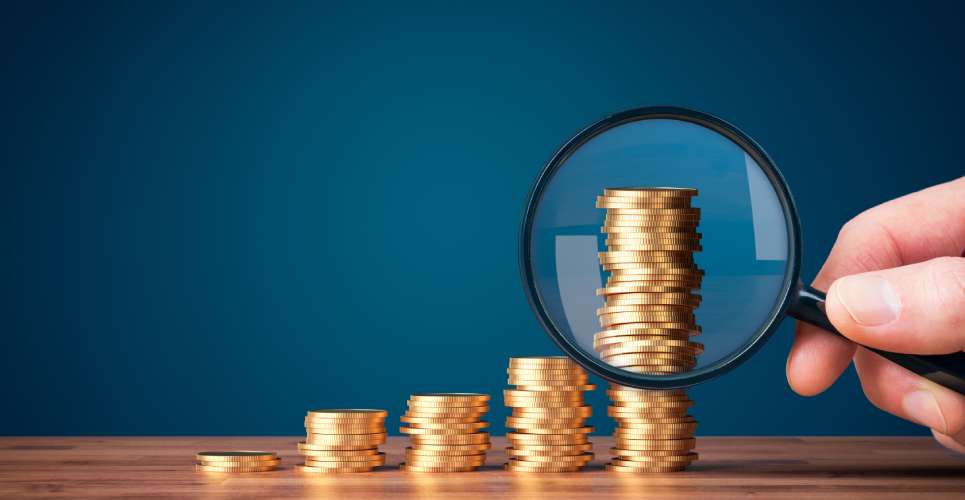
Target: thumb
[(918, 309)]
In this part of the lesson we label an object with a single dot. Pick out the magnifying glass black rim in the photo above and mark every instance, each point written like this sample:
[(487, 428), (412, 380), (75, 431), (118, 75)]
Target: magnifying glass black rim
[(618, 375)]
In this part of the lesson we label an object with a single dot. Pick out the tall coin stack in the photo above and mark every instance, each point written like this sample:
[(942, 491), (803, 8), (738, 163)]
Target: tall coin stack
[(343, 440), (446, 432), (648, 320), (548, 415)]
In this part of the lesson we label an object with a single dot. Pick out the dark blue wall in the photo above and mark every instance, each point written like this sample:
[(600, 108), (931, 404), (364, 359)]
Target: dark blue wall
[(218, 216)]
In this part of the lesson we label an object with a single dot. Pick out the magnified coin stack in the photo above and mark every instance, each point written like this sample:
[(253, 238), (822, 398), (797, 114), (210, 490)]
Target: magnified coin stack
[(237, 461), (446, 432), (343, 440), (548, 416), (648, 321)]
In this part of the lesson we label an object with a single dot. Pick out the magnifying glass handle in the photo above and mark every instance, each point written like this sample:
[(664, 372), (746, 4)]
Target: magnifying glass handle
[(943, 369)]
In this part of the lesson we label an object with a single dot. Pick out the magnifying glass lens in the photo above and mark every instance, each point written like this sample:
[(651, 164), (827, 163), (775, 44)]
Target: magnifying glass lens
[(658, 248)]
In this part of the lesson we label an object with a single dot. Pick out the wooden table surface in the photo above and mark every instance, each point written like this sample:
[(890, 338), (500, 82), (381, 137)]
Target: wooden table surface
[(769, 467)]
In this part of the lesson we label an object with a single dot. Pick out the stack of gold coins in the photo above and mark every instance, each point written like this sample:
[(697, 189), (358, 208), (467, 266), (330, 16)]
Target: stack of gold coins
[(446, 432), (237, 461), (343, 440), (548, 416), (648, 320)]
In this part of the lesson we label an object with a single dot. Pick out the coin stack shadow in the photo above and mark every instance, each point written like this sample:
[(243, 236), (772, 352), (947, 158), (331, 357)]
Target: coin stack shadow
[(343, 440), (237, 461), (548, 415), (446, 432), (648, 320)]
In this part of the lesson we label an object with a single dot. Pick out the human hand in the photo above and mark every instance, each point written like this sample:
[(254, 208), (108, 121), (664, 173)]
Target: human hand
[(895, 280)]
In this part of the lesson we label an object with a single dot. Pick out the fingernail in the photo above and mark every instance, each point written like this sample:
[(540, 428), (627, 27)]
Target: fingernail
[(922, 407), (870, 300)]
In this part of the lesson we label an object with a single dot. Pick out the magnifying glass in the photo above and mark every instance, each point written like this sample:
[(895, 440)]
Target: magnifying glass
[(661, 247)]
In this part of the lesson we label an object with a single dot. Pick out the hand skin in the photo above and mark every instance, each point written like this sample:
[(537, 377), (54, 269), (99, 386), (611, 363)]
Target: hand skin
[(895, 280)]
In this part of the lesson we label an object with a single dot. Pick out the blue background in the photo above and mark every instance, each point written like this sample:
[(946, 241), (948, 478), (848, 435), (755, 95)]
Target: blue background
[(217, 216)]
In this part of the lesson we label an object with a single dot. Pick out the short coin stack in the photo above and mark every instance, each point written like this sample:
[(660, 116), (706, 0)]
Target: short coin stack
[(648, 320), (237, 461), (343, 440), (446, 432), (548, 415)]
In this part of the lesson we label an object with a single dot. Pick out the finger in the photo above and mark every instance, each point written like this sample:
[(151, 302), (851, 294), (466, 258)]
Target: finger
[(929, 223), (816, 360), (902, 393), (919, 308), (954, 443)]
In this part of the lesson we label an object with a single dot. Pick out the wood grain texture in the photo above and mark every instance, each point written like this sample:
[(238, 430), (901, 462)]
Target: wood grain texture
[(162, 467)]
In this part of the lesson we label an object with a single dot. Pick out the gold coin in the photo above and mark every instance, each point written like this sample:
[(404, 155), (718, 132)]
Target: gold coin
[(339, 454), (348, 414), (243, 465), (628, 256), (605, 343), (644, 248), (632, 394), (545, 403), (303, 446), (633, 328), (409, 468), (464, 427), (236, 456), (655, 430), (645, 294), (558, 431), (443, 420), (650, 422), (661, 446), (449, 460), (609, 319), (658, 201), (526, 438), (523, 423), (456, 449), (450, 439), (650, 192), (419, 450), (645, 236), (650, 362), (421, 405), (341, 468), (359, 439), (371, 461), (554, 459), (555, 388), (620, 295), (572, 371), (432, 459), (685, 457), (451, 397), (211, 468), (437, 431), (621, 308), (548, 383), (328, 429), (569, 412), (448, 412), (654, 225), (618, 468), (542, 362), (541, 395), (682, 346), (622, 332), (520, 466)]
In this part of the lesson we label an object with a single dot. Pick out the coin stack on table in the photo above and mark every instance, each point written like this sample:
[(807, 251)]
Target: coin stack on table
[(548, 416), (237, 461), (446, 432), (343, 440), (648, 321)]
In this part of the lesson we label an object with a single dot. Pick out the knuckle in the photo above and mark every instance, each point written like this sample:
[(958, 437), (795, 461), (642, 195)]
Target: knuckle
[(946, 277)]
